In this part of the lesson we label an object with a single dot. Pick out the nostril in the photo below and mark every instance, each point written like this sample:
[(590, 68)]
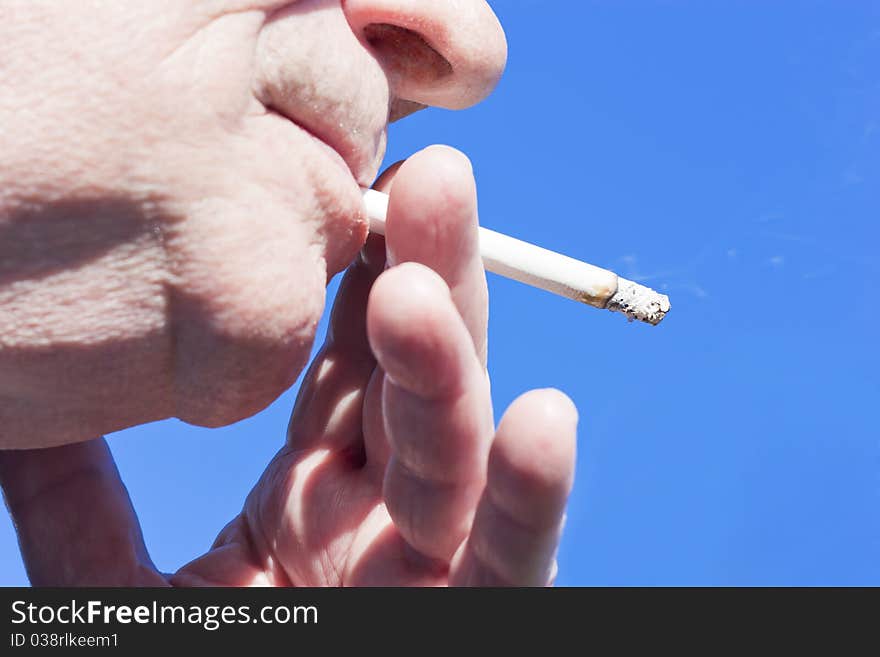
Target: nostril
[(406, 54), (439, 53)]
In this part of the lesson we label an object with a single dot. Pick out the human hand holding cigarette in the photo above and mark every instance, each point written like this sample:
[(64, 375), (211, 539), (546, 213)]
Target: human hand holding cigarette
[(393, 472), (547, 270)]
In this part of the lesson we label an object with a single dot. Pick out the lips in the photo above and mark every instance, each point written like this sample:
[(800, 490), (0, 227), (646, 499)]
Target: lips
[(343, 225), (340, 102), (357, 148)]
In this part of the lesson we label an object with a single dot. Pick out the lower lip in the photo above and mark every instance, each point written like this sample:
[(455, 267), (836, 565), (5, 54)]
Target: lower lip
[(331, 152), (344, 169)]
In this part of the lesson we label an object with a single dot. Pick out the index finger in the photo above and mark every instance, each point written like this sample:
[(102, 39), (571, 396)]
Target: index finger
[(432, 220)]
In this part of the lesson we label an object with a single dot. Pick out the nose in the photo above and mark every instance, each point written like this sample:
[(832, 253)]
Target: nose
[(444, 53)]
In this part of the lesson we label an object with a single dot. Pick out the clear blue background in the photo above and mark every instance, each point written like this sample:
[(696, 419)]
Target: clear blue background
[(726, 153)]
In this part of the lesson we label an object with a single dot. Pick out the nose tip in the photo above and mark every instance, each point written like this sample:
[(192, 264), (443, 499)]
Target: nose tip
[(434, 52)]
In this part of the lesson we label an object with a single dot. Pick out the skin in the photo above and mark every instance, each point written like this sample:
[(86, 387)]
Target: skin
[(207, 139)]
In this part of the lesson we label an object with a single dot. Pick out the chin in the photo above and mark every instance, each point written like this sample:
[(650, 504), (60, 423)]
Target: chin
[(235, 369)]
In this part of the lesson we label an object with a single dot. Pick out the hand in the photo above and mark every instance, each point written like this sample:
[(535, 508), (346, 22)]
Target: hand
[(392, 474), (151, 152)]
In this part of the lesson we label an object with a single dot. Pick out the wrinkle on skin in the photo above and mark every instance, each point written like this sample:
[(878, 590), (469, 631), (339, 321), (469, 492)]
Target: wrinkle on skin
[(32, 248)]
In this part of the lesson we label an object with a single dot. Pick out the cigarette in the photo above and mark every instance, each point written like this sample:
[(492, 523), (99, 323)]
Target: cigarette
[(547, 270)]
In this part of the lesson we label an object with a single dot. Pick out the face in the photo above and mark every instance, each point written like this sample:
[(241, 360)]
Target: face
[(187, 178)]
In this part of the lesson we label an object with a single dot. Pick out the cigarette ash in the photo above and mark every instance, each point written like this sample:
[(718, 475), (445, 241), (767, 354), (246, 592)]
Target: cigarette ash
[(639, 302)]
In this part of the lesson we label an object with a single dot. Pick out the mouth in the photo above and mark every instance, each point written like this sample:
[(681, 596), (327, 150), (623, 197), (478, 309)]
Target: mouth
[(344, 226), (356, 154)]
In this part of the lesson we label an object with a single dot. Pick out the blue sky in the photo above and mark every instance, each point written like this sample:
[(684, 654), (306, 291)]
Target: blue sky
[(725, 153)]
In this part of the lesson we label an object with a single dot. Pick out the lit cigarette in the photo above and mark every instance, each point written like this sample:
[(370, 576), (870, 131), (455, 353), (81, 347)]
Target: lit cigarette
[(550, 271)]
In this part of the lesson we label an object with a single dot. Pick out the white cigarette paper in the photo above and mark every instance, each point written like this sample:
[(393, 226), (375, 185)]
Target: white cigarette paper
[(550, 271)]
